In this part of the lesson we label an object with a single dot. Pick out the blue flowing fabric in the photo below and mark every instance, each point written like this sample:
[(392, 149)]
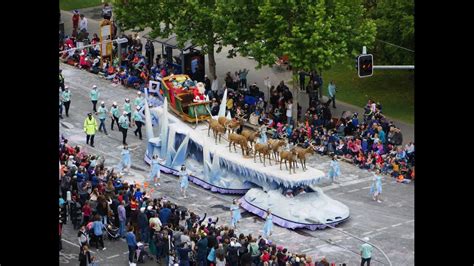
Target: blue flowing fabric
[(267, 227), (376, 185), (235, 214)]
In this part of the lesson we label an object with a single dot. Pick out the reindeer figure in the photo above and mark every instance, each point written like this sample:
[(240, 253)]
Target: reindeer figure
[(233, 125), (276, 144), (289, 156), (218, 130), (262, 148), (301, 154), (212, 124), (239, 139), (250, 135), (222, 120)]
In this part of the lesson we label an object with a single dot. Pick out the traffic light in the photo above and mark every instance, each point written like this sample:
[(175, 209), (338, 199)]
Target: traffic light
[(365, 63)]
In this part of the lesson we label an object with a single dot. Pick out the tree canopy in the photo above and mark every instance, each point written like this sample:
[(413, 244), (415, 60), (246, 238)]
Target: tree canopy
[(395, 25)]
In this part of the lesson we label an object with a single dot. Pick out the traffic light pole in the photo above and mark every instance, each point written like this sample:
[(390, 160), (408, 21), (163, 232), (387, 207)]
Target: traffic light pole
[(407, 67), (394, 67)]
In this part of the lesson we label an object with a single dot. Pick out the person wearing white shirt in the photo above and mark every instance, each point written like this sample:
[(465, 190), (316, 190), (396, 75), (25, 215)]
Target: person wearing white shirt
[(83, 23), (289, 107), (268, 84), (215, 86)]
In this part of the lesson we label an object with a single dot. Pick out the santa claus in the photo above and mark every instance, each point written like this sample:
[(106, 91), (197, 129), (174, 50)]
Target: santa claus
[(199, 92)]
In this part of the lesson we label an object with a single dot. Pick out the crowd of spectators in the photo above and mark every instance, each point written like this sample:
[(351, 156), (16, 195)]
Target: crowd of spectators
[(96, 200)]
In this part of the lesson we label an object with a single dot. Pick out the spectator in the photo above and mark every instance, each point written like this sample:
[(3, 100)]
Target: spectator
[(131, 243), (365, 252), (85, 256), (107, 11), (83, 23), (332, 94), (97, 227), (75, 19), (289, 110)]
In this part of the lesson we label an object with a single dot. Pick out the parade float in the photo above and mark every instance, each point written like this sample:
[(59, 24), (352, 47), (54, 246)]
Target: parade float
[(225, 162)]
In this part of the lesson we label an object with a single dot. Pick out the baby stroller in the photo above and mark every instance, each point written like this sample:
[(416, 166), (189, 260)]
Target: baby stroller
[(141, 254), (112, 232)]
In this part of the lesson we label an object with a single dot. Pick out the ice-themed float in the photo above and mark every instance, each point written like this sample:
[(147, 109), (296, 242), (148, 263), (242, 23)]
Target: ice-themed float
[(295, 200)]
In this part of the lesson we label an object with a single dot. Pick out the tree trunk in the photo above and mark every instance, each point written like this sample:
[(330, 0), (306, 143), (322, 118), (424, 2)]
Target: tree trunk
[(212, 62), (320, 91), (295, 92)]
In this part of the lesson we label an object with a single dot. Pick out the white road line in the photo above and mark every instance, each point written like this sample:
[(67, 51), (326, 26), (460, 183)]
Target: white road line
[(339, 194), (350, 191), (125, 252), (366, 233), (352, 182), (409, 221), (380, 229), (113, 256), (395, 225), (366, 187), (74, 244), (323, 245), (347, 238), (308, 249)]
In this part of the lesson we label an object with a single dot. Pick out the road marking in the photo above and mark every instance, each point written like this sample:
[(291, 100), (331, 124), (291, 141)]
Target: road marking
[(74, 244), (125, 252), (380, 229), (353, 182), (366, 187), (347, 238), (323, 245), (366, 233), (339, 194), (113, 256), (350, 191), (395, 225), (304, 250), (409, 221)]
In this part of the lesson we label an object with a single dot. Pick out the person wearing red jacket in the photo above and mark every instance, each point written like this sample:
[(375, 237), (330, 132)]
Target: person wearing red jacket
[(75, 20), (86, 211)]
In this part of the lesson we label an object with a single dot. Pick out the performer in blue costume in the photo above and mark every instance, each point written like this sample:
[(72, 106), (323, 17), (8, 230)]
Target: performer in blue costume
[(267, 227), (334, 170), (183, 180), (263, 135), (235, 213), (376, 187), (126, 161), (155, 170)]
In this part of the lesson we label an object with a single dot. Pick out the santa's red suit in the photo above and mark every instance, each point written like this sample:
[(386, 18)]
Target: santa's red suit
[(197, 94)]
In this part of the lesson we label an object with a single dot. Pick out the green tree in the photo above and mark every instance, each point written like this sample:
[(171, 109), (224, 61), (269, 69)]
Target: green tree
[(314, 35), (396, 25), (203, 23)]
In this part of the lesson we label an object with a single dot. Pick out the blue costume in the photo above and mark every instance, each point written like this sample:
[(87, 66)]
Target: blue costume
[(267, 227), (183, 176), (155, 169), (263, 136), (235, 214), (376, 187), (126, 160), (334, 170)]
